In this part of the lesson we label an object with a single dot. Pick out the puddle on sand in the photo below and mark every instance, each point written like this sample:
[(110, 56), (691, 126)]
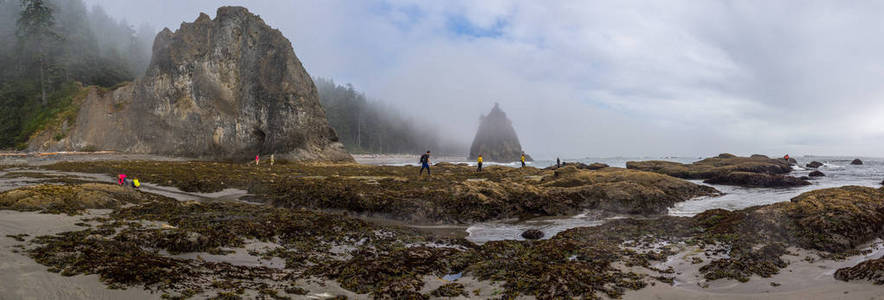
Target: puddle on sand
[(481, 233)]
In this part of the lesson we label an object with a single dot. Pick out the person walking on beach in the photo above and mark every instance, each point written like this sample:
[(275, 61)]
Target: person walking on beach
[(425, 163), (479, 162), (523, 160), (558, 162)]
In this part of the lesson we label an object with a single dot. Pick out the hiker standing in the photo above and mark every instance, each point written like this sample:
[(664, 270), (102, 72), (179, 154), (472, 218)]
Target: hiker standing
[(425, 163), (558, 162), (271, 160), (523, 160), (257, 159), (479, 162)]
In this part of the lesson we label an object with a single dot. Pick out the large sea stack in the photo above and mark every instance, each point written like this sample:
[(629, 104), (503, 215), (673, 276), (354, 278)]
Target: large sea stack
[(496, 139), (228, 88)]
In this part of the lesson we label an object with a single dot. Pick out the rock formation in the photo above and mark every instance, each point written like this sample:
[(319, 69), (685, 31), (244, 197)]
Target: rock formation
[(856, 162), (755, 171), (713, 166), (496, 139), (750, 179), (228, 88), (532, 234), (816, 174), (814, 164)]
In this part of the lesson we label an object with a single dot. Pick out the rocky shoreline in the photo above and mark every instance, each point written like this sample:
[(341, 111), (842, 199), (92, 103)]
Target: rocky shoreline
[(181, 249)]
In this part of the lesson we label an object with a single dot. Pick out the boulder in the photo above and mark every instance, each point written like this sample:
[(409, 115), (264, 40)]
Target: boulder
[(592, 166), (856, 162), (816, 173), (749, 179), (496, 140), (532, 234), (758, 156), (223, 88), (814, 164), (713, 167)]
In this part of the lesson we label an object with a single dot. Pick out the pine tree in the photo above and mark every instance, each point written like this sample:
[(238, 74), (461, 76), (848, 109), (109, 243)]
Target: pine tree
[(35, 33)]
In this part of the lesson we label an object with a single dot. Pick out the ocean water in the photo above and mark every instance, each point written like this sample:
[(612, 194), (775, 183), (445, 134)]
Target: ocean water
[(839, 172)]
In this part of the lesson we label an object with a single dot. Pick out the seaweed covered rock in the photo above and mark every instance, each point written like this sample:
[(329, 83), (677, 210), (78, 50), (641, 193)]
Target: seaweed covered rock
[(592, 166), (750, 179), (714, 166), (532, 234), (623, 190), (71, 199), (496, 139), (833, 220), (449, 290), (856, 162), (223, 88), (871, 270), (394, 274), (816, 173), (456, 195), (814, 164), (557, 268)]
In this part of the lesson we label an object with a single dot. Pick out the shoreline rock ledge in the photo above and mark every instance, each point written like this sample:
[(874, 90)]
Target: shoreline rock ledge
[(496, 139), (223, 88)]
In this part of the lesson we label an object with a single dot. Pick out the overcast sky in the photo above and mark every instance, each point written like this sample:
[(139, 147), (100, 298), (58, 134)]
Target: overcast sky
[(600, 78)]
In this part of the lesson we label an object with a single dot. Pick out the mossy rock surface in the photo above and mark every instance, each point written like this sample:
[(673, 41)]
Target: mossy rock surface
[(714, 166), (71, 198), (454, 194)]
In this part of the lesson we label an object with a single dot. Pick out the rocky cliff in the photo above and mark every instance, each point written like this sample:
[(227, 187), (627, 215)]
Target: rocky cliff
[(227, 88), (496, 139)]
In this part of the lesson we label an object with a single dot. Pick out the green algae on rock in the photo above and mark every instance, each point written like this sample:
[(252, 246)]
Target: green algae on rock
[(71, 199), (718, 168), (455, 194)]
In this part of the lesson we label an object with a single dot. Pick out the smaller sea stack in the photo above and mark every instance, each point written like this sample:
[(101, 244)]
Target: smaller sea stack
[(496, 139)]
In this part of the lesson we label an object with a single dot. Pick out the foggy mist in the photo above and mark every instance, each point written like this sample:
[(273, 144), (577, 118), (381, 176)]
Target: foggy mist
[(606, 78)]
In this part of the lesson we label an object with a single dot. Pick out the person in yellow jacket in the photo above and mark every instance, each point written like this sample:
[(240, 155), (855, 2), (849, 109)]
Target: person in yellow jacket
[(479, 162), (136, 183), (523, 160)]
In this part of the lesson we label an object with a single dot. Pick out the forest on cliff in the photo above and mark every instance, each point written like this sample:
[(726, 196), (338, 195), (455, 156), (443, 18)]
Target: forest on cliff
[(49, 49), (367, 125)]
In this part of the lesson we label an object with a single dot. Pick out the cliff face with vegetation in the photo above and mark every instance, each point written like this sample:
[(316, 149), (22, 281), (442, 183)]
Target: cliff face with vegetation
[(49, 49), (496, 139), (226, 88)]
